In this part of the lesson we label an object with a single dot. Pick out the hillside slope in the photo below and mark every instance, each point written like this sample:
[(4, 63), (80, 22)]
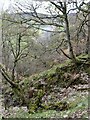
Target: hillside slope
[(51, 85), (59, 92)]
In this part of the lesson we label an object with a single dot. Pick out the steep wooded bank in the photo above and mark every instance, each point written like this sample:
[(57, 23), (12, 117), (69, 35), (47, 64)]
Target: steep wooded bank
[(45, 91)]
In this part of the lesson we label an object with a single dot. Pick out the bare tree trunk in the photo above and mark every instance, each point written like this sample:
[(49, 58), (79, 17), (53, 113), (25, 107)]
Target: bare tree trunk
[(13, 71), (88, 40), (68, 35)]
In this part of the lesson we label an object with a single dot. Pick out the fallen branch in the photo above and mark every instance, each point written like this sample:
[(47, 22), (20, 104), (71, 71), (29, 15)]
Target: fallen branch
[(82, 89)]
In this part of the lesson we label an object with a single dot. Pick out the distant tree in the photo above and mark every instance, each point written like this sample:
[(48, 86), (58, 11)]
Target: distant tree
[(89, 31), (84, 13)]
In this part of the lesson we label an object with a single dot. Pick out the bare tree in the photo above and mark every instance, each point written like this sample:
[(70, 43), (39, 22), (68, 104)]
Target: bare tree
[(88, 40), (59, 19), (84, 27), (16, 35), (58, 12)]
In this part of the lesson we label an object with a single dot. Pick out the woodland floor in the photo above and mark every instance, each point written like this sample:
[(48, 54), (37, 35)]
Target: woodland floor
[(77, 97), (79, 108)]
